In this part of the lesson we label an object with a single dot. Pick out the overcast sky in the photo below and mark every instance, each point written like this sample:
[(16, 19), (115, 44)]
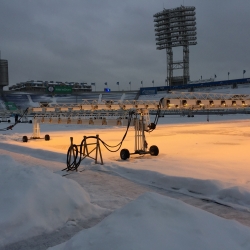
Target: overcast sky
[(114, 41)]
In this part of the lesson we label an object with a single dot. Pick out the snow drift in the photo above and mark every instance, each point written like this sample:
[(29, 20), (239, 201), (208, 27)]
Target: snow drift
[(35, 200), (157, 222)]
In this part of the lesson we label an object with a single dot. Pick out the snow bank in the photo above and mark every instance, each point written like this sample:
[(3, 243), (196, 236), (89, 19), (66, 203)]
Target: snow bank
[(158, 222), (215, 190), (34, 201)]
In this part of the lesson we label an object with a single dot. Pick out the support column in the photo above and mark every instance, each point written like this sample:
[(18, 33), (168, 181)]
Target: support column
[(169, 66), (185, 64), (36, 128)]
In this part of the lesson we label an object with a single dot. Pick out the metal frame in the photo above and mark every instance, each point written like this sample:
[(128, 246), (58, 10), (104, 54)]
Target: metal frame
[(174, 28), (140, 124), (116, 113)]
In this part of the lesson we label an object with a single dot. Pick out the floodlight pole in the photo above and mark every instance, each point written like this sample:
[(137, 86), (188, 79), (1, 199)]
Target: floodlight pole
[(176, 28)]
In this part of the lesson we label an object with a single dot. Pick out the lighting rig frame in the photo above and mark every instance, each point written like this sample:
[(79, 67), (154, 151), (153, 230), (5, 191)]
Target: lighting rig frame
[(116, 114)]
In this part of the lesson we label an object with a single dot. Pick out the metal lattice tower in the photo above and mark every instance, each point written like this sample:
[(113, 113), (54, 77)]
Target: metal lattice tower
[(175, 28)]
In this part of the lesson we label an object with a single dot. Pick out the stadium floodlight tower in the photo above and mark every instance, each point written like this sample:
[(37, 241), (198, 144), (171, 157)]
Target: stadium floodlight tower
[(174, 28)]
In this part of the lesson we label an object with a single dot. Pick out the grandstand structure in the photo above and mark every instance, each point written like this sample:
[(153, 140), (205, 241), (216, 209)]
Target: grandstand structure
[(201, 86), (23, 100), (17, 101), (51, 86)]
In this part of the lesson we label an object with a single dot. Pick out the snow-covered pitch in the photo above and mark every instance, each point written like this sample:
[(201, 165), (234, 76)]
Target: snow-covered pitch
[(128, 200)]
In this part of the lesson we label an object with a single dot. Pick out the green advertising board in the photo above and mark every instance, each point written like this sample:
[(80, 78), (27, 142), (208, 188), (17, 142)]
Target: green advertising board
[(59, 89), (11, 106)]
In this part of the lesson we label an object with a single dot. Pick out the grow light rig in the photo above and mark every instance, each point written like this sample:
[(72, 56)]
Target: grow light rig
[(116, 114), (100, 113)]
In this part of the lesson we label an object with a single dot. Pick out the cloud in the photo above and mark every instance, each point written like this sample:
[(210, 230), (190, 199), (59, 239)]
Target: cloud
[(110, 41)]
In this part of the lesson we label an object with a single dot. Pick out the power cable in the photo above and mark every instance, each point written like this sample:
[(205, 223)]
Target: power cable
[(18, 121), (77, 150), (152, 126), (124, 136)]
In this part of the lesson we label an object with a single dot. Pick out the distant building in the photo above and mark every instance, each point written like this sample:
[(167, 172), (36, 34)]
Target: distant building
[(50, 86), (4, 74)]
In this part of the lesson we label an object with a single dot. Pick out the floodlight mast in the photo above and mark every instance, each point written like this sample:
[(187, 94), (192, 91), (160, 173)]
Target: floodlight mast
[(174, 28)]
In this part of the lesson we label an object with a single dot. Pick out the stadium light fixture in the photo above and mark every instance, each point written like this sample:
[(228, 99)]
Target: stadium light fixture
[(176, 28)]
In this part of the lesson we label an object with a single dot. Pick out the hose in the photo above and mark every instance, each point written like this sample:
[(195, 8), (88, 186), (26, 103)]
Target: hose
[(12, 126), (152, 126), (75, 152)]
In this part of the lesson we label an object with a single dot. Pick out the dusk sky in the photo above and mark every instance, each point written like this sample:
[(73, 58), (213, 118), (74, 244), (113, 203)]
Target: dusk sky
[(114, 41)]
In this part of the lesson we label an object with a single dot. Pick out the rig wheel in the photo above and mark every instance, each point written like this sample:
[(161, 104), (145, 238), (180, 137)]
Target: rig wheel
[(154, 150), (47, 137), (25, 138), (124, 154)]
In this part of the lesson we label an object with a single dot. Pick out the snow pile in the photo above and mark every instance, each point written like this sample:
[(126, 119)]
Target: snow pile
[(158, 222), (215, 190), (35, 200), (11, 137)]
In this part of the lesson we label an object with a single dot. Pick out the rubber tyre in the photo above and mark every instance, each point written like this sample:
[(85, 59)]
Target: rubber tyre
[(153, 150), (124, 154), (47, 137), (25, 138)]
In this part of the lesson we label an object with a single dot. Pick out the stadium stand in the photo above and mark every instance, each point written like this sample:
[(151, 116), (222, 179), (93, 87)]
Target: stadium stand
[(23, 99)]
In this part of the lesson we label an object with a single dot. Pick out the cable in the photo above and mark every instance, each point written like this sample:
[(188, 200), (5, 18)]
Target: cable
[(74, 165), (73, 151), (120, 143), (152, 126), (12, 126)]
